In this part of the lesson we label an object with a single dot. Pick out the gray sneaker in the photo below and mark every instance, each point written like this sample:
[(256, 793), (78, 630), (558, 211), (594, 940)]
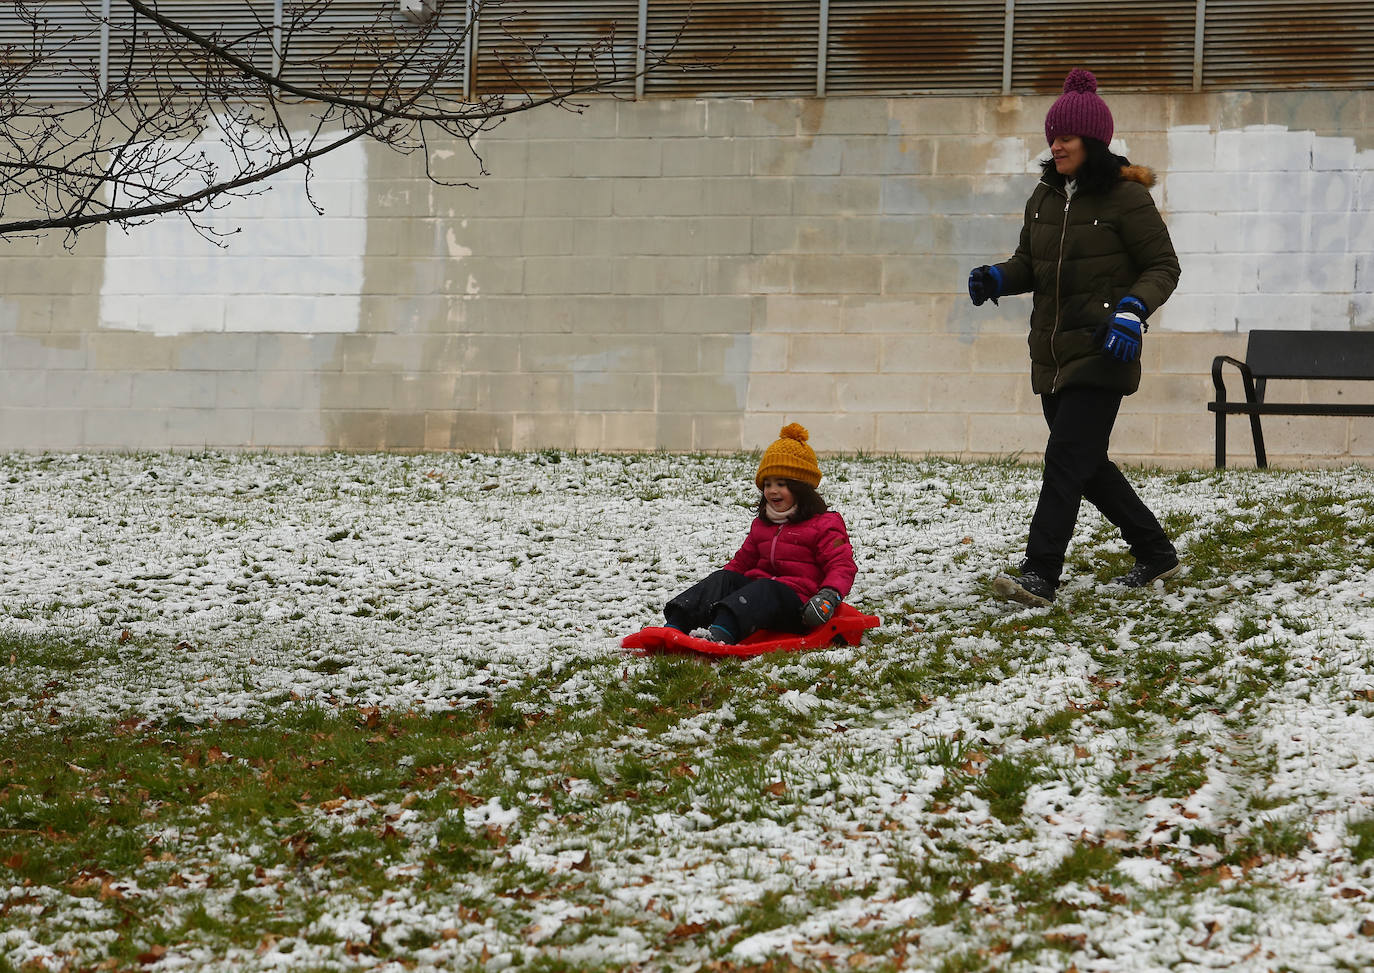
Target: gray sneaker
[(1028, 589), (1148, 572)]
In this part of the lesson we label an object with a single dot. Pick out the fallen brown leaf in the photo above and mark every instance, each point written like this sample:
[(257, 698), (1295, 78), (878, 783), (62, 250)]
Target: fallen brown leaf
[(685, 930), (1076, 941), (153, 954), (1211, 926)]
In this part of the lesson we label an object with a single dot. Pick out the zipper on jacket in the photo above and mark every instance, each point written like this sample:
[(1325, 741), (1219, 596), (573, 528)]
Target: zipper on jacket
[(773, 550), (1058, 306)]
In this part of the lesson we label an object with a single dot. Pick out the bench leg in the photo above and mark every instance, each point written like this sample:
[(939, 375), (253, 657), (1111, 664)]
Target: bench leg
[(1261, 460), (1221, 440)]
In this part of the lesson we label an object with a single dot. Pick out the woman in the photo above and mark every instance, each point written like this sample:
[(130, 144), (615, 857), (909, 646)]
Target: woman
[(1098, 261)]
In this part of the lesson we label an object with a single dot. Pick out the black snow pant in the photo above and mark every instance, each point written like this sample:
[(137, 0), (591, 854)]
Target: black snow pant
[(738, 604), (1077, 469)]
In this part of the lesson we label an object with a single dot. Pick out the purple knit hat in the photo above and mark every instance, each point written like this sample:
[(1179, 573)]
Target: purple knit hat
[(1079, 110)]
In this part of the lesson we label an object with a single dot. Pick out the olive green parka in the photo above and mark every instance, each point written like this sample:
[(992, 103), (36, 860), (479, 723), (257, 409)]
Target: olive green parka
[(1079, 256)]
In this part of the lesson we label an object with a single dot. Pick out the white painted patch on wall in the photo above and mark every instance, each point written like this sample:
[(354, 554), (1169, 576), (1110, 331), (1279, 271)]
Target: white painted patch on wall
[(289, 269), (457, 251), (1274, 229)]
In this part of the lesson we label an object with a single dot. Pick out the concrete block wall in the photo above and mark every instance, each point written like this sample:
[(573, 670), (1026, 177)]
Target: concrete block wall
[(689, 274)]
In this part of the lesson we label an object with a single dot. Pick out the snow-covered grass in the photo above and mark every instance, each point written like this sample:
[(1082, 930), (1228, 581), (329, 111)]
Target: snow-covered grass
[(338, 712)]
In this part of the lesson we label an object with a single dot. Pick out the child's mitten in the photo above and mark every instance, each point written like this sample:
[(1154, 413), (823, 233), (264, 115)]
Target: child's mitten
[(821, 607)]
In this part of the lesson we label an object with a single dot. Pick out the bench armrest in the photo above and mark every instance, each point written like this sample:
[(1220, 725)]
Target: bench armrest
[(1247, 378)]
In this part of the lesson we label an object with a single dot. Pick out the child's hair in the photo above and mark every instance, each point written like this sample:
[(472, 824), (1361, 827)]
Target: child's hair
[(809, 502)]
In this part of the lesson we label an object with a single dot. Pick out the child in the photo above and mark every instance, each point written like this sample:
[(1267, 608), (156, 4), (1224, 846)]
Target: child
[(793, 569)]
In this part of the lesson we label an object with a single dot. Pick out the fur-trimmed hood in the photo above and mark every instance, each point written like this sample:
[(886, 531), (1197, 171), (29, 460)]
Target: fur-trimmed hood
[(1141, 174)]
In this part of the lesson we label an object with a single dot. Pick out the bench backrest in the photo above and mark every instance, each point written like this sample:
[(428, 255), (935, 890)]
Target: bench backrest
[(1311, 354)]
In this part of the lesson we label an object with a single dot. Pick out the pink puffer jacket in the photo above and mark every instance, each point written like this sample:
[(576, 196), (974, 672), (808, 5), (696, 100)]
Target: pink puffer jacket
[(806, 557)]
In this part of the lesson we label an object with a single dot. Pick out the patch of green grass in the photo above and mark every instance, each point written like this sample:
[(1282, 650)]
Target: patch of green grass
[(1176, 776), (1054, 725), (1268, 840), (1205, 837), (57, 657), (1088, 862), (1004, 785), (774, 908), (1361, 839)]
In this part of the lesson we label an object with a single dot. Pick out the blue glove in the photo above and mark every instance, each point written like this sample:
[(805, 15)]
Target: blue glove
[(1124, 330), (821, 607), (984, 284)]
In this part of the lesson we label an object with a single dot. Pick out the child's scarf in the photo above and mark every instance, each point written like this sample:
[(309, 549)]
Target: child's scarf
[(780, 516)]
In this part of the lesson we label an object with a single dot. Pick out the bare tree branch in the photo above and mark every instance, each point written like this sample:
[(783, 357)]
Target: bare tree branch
[(132, 139)]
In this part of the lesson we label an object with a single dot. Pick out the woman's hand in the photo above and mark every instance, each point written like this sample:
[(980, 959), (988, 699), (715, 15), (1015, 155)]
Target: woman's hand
[(984, 284), (1125, 329)]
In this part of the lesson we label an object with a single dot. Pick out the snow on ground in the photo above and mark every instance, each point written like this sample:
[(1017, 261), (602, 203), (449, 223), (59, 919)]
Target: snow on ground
[(215, 586), (408, 581)]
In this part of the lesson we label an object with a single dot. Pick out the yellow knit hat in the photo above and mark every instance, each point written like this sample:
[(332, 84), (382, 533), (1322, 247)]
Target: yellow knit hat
[(790, 458)]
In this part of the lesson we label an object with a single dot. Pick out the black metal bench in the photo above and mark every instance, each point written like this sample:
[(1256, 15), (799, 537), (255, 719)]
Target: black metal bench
[(1303, 355)]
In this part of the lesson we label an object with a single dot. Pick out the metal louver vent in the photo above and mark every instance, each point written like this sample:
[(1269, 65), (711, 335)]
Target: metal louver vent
[(1143, 44), (57, 55), (538, 45), (148, 59), (915, 45), (345, 44), (738, 46), (1288, 44)]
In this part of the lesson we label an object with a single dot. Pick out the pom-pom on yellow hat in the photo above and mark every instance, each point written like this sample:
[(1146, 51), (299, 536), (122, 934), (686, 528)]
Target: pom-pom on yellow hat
[(790, 458)]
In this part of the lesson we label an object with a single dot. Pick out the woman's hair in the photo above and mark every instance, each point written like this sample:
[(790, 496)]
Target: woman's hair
[(1100, 170), (809, 502)]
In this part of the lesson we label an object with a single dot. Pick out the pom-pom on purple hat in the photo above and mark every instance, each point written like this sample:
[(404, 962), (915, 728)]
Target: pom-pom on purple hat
[(1079, 110)]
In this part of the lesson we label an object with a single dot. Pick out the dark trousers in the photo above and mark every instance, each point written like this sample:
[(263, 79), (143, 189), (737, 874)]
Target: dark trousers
[(738, 604), (1077, 469)]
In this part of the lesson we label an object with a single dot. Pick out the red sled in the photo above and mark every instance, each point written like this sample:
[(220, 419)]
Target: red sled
[(846, 627)]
